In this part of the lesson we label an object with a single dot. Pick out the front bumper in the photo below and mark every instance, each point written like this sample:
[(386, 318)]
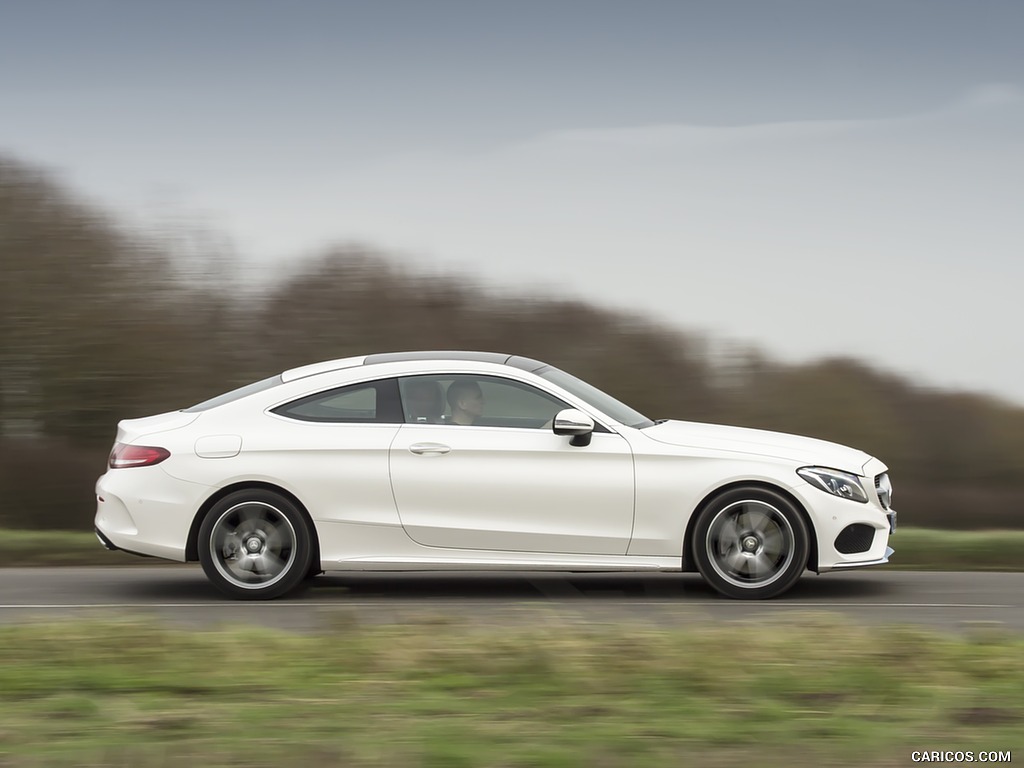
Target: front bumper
[(891, 517), (881, 561), (847, 534)]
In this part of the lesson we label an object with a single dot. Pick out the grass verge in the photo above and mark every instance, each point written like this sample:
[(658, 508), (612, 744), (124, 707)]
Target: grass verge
[(918, 548), (810, 691), (49, 548), (927, 549)]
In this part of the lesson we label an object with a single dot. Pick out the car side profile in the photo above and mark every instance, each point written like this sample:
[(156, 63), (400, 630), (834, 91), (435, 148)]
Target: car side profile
[(477, 460)]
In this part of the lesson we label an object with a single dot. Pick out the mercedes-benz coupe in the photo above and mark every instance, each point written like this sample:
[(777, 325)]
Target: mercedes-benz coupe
[(476, 460)]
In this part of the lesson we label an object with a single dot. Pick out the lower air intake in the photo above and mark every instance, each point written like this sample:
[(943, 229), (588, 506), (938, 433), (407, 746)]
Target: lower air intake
[(855, 538)]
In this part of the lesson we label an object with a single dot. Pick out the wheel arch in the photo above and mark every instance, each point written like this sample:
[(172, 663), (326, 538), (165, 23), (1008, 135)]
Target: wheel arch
[(689, 563), (192, 544)]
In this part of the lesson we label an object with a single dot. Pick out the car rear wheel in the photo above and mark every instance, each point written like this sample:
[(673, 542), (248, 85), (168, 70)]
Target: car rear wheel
[(751, 543), (255, 545)]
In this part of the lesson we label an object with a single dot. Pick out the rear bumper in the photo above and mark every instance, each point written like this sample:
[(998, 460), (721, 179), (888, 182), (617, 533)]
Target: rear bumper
[(106, 543), (144, 511), (110, 546)]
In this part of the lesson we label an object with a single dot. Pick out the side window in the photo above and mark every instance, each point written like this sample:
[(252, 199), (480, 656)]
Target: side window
[(423, 399), (373, 402), (487, 401)]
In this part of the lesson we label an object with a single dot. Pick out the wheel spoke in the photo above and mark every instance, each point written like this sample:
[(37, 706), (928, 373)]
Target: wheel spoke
[(745, 523), (763, 523), (774, 542), (272, 564), (729, 533), (231, 540), (760, 565), (249, 514), (277, 539), (735, 560)]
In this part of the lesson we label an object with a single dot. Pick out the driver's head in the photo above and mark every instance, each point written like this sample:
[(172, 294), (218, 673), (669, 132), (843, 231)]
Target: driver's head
[(466, 400)]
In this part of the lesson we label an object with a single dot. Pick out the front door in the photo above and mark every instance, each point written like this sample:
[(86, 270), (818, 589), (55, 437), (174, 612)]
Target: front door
[(485, 471)]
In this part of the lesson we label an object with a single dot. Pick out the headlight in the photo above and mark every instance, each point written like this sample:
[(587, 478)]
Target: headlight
[(836, 482)]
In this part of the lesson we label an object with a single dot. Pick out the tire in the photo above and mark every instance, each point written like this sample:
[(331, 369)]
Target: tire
[(751, 544), (314, 570), (255, 545)]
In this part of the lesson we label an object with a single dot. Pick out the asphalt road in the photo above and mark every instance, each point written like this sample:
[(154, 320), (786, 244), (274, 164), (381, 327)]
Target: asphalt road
[(181, 595)]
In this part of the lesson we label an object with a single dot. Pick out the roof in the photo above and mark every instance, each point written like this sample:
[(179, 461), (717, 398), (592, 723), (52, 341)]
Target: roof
[(498, 358), (401, 357)]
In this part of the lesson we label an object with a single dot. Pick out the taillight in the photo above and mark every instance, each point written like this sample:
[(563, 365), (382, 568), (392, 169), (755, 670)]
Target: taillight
[(136, 456)]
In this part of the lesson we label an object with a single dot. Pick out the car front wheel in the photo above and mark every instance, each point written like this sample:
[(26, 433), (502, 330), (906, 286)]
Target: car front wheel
[(751, 544), (255, 545)]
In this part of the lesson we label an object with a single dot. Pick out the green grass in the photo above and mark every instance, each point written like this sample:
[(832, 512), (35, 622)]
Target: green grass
[(48, 548), (809, 691), (919, 548), (927, 549)]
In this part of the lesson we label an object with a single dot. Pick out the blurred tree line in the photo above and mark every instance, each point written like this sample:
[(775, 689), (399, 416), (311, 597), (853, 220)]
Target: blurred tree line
[(99, 324)]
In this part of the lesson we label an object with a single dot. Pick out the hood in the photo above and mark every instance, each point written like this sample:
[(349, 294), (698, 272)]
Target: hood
[(801, 450), (130, 430)]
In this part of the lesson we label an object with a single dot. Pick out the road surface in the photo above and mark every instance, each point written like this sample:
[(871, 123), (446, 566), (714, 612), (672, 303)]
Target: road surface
[(180, 594)]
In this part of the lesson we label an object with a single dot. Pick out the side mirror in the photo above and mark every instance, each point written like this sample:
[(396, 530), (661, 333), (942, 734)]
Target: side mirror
[(575, 423)]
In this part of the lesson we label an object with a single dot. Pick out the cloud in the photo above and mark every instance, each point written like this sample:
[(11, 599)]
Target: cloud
[(994, 94), (896, 239), (673, 136)]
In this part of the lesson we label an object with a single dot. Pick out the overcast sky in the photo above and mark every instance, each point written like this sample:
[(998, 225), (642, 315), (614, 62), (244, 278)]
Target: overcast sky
[(814, 178)]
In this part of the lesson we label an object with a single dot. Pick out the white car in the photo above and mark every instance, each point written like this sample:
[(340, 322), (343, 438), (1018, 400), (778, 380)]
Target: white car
[(477, 460)]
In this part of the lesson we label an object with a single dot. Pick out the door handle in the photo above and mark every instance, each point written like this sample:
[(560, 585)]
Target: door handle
[(429, 449)]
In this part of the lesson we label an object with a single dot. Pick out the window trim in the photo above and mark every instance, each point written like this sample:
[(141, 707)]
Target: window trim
[(234, 395)]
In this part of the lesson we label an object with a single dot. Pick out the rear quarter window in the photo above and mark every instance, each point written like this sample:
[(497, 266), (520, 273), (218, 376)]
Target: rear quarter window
[(374, 402)]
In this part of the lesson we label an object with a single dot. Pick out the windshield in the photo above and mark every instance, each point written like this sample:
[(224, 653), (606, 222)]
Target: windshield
[(602, 401)]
